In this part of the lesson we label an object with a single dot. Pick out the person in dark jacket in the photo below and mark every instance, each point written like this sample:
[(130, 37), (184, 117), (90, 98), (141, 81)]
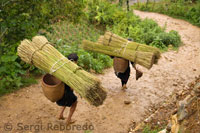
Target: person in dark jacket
[(69, 99), (125, 75)]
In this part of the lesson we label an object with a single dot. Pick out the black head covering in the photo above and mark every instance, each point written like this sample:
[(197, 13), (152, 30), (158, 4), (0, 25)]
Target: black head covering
[(129, 39), (73, 57)]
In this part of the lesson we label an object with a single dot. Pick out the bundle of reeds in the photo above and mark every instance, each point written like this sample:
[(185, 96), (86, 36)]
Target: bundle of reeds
[(40, 53), (115, 45), (145, 59), (114, 40)]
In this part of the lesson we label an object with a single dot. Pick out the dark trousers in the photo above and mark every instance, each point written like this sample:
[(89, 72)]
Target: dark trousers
[(124, 76)]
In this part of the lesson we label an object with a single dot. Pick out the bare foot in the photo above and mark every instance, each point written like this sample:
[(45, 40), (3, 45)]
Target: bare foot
[(124, 87), (70, 122), (61, 118)]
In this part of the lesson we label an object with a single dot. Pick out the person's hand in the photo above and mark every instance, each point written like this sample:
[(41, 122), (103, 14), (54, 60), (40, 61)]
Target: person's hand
[(138, 74)]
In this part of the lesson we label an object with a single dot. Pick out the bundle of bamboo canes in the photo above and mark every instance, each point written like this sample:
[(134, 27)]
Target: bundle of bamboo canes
[(115, 45), (40, 53)]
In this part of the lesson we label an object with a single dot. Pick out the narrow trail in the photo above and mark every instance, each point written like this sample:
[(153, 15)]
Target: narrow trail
[(174, 71)]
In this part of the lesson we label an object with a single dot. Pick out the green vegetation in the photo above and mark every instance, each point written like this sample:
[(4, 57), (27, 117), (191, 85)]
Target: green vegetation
[(147, 129), (148, 32), (188, 10), (88, 131), (21, 19), (66, 23), (67, 38), (128, 25)]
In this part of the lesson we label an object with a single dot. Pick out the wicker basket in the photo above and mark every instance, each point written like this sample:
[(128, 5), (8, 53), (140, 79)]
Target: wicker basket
[(120, 64), (52, 87)]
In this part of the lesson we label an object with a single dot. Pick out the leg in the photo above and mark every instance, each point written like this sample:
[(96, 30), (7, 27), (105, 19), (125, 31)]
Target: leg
[(124, 84), (61, 117), (71, 112), (124, 78)]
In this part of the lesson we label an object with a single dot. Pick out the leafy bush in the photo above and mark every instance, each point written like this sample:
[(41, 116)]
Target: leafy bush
[(21, 19), (13, 72), (183, 9), (146, 32), (104, 12)]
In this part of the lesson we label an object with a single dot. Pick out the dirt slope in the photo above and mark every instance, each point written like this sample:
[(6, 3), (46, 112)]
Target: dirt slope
[(174, 71)]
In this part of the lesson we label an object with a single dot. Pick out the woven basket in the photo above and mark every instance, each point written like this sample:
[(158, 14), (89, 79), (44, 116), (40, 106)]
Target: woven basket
[(120, 64), (52, 87)]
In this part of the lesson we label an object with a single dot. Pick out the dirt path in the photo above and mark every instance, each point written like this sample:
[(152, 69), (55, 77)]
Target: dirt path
[(29, 110)]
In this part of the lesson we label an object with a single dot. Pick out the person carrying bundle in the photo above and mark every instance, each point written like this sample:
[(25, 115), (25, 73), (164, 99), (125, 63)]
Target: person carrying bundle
[(123, 71), (114, 45), (69, 99)]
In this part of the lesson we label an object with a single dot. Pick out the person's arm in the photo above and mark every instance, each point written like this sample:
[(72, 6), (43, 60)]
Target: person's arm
[(138, 72), (133, 64)]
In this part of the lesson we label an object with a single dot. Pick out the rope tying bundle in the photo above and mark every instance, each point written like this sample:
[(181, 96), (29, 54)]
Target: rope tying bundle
[(136, 52), (110, 39), (52, 70), (31, 59), (123, 47)]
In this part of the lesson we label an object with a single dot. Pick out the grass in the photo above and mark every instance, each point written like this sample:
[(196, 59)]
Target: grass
[(186, 10), (147, 129)]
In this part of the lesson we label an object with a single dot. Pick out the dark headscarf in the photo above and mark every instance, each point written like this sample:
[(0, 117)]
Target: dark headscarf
[(73, 57), (129, 39)]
